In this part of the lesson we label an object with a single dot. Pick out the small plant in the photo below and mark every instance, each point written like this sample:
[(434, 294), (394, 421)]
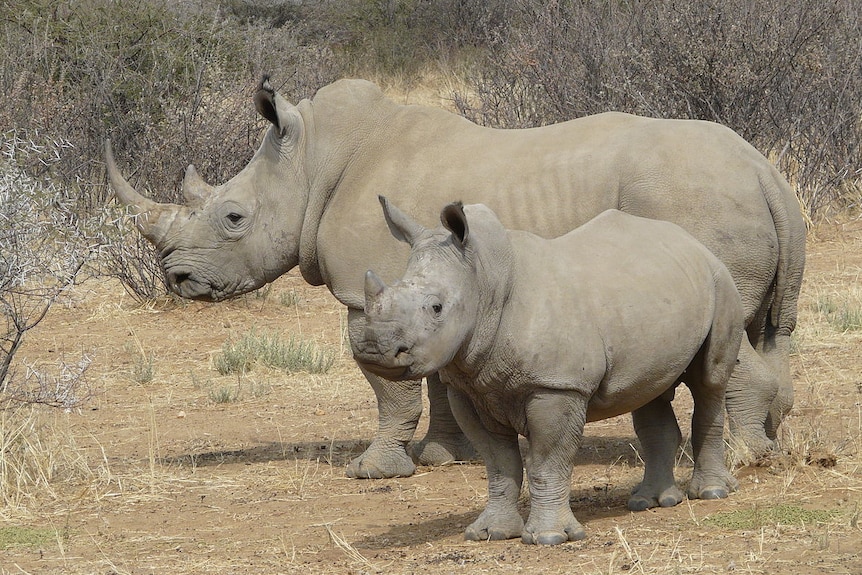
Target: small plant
[(843, 315), (272, 351), (144, 370), (234, 358), (225, 394), (143, 364), (288, 298)]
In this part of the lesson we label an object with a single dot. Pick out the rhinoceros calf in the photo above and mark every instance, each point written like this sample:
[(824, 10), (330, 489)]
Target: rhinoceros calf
[(307, 199), (535, 337)]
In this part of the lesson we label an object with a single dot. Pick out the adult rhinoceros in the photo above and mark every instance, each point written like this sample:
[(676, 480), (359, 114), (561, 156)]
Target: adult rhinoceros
[(308, 197)]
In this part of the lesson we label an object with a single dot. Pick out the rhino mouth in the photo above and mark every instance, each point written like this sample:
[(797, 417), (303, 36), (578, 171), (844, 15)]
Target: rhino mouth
[(391, 373), (392, 366), (185, 286)]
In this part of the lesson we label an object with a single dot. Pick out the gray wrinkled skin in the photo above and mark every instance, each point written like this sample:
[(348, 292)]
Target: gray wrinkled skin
[(308, 198), (535, 337)]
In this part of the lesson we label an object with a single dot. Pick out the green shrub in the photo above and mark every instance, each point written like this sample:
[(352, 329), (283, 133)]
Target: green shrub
[(224, 394)]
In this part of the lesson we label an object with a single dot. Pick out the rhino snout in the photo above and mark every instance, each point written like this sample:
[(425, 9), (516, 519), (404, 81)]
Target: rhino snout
[(183, 283), (389, 361)]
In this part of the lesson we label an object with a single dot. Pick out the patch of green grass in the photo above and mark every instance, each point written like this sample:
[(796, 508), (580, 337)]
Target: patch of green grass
[(143, 364), (288, 298), (762, 516), (31, 537), (144, 369), (271, 350), (842, 315), (244, 388), (224, 394)]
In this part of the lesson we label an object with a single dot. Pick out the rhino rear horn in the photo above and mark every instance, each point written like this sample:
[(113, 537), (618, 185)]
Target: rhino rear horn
[(374, 286), (195, 189)]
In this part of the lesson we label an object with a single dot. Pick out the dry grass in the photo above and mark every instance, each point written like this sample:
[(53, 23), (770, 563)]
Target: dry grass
[(156, 477), (39, 458)]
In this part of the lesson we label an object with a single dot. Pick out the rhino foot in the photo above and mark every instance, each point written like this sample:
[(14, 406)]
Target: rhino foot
[(382, 459), (646, 497), (716, 486), (746, 448), (553, 532), (441, 449), (495, 525)]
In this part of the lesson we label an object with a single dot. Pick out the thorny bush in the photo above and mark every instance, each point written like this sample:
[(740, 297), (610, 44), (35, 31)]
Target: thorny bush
[(44, 246)]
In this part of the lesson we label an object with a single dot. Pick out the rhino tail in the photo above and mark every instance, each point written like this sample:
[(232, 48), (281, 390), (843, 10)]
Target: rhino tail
[(790, 230)]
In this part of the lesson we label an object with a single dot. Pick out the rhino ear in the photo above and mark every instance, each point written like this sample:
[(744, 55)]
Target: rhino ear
[(402, 227), (455, 221), (280, 113)]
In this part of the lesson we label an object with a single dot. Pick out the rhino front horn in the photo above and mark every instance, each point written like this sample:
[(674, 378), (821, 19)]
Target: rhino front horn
[(151, 218), (374, 286), (195, 189)]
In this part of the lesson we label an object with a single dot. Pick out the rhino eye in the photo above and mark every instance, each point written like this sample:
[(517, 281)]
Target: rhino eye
[(437, 308), (234, 217)]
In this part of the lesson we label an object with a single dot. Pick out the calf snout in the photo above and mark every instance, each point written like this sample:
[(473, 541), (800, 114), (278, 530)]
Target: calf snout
[(390, 359)]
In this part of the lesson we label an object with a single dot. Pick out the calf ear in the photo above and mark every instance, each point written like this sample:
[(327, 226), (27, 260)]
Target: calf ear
[(280, 113), (402, 227), (455, 221)]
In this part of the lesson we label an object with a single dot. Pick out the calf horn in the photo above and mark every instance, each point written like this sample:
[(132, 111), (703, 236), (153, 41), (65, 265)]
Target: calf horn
[(150, 217), (374, 286)]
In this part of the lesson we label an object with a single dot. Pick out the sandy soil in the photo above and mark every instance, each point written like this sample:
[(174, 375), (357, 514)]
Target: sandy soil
[(195, 472)]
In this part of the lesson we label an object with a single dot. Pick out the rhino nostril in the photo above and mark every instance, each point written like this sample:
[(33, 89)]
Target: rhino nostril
[(401, 349), (178, 278)]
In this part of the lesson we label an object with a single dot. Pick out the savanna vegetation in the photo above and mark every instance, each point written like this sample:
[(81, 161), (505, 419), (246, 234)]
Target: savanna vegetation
[(171, 83)]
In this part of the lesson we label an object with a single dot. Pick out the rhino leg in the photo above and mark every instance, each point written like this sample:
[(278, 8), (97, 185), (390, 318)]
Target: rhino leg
[(659, 435), (500, 518), (399, 405), (555, 423), (444, 442), (751, 391), (777, 356), (707, 381)]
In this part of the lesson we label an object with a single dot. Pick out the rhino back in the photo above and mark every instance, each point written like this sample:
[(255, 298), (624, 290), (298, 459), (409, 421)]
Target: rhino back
[(547, 180)]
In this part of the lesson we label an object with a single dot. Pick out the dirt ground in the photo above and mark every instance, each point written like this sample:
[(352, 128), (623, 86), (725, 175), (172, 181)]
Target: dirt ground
[(195, 472)]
